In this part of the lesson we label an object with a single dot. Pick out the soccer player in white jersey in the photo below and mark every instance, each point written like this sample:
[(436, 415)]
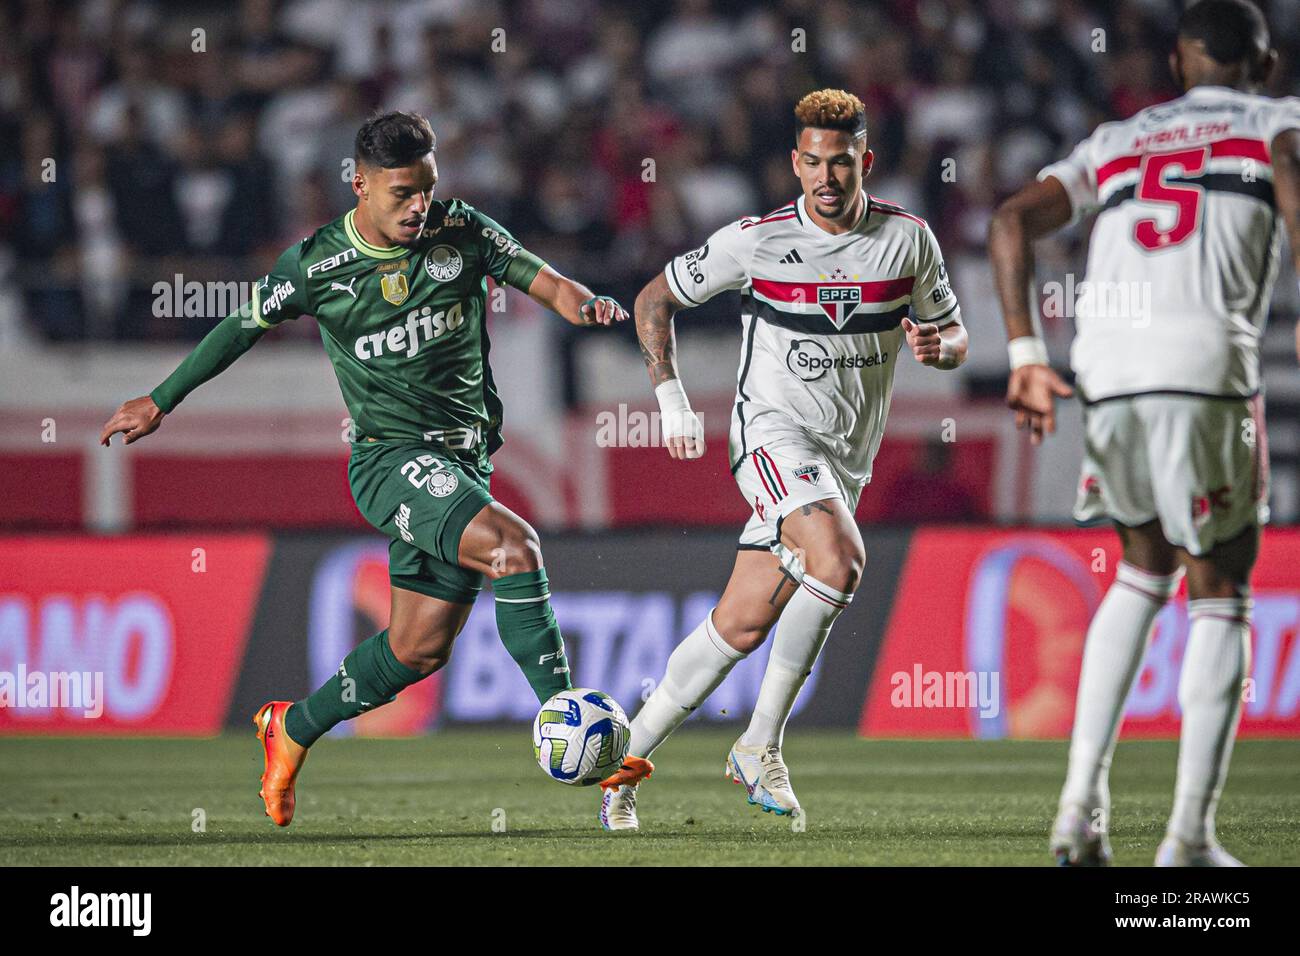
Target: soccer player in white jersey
[(826, 282), (1191, 197)]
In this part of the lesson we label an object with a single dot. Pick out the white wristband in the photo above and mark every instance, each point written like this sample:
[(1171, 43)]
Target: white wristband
[(672, 397), (1027, 350)]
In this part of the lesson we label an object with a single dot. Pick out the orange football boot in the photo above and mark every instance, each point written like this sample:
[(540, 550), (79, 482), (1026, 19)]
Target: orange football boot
[(284, 758), (633, 771)]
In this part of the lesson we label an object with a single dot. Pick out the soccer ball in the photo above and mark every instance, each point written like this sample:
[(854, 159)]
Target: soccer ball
[(580, 736)]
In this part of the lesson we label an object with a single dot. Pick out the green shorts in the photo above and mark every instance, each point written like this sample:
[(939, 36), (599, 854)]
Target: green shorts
[(423, 501)]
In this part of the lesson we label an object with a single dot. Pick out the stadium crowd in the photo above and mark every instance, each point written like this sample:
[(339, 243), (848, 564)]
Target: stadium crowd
[(140, 140)]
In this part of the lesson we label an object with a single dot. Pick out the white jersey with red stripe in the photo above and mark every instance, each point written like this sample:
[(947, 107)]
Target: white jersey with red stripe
[(1185, 249), (821, 318)]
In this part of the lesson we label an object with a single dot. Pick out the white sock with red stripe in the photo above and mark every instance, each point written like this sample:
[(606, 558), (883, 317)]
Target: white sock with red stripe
[(1215, 662), (801, 632), (695, 669), (1112, 654)]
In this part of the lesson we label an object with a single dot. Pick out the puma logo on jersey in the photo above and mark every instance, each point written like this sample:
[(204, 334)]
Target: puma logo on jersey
[(791, 257), (344, 288), (421, 326)]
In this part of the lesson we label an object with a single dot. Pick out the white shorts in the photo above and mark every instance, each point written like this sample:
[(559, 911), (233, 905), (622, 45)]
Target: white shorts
[(1199, 465), (782, 475)]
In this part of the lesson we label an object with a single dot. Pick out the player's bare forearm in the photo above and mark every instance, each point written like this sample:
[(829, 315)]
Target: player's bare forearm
[(573, 301), (1285, 153), (654, 310), (1037, 210)]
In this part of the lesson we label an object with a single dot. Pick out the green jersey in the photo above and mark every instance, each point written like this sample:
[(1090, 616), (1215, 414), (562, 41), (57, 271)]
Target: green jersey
[(404, 327)]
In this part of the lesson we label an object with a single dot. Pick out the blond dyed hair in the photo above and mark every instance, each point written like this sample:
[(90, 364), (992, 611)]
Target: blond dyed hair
[(831, 109)]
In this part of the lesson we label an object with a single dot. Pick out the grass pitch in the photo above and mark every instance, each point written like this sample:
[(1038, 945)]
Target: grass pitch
[(475, 797)]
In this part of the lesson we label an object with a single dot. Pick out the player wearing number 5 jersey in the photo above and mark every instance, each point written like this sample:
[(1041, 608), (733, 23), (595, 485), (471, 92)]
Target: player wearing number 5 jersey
[(1190, 199), (398, 287), (827, 283)]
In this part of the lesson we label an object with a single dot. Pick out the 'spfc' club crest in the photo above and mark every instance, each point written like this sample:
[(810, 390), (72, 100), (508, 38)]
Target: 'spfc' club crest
[(808, 473), (839, 301)]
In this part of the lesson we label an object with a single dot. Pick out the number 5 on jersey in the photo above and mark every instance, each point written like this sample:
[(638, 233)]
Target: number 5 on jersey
[(1186, 198)]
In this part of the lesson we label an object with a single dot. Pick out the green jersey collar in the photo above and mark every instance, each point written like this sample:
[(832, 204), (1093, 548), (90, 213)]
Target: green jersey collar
[(365, 248)]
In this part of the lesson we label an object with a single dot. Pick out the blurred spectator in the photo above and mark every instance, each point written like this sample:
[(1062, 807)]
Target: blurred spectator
[(689, 58), (251, 216), (160, 109), (141, 180), (606, 133)]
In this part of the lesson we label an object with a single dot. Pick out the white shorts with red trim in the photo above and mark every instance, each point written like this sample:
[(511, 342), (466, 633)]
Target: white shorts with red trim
[(782, 475), (1199, 465)]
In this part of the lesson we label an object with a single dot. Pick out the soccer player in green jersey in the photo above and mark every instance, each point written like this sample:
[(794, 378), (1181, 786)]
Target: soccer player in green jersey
[(398, 286)]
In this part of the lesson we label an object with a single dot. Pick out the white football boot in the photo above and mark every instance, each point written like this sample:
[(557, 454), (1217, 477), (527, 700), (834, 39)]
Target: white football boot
[(1174, 852), (763, 774), (1077, 841), (618, 808), (618, 796)]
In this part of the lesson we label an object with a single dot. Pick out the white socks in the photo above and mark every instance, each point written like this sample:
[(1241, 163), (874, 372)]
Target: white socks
[(695, 669), (703, 660), (1209, 691), (1214, 664), (1112, 656), (800, 633)]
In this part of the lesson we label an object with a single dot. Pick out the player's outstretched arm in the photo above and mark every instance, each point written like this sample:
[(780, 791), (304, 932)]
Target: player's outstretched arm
[(278, 296), (1285, 154), (231, 338), (573, 301), (654, 310), (1033, 387)]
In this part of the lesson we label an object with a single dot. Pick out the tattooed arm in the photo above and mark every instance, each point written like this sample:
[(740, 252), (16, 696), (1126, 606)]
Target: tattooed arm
[(654, 309)]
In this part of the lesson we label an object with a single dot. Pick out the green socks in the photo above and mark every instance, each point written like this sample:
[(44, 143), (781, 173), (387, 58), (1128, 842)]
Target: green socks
[(529, 632), (369, 677)]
